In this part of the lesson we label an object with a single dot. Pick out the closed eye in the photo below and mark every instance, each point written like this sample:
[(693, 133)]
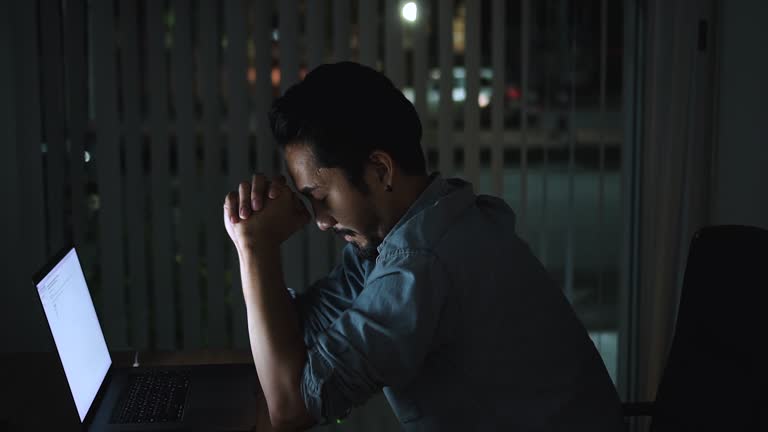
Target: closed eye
[(320, 200), (312, 194)]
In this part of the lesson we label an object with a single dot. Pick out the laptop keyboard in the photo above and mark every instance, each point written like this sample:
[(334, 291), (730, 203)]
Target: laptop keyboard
[(154, 397)]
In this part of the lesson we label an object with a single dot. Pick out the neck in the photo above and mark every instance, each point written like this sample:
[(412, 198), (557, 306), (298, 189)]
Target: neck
[(404, 194)]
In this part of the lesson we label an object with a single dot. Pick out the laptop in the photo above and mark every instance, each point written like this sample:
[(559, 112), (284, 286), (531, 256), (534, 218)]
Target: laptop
[(108, 398)]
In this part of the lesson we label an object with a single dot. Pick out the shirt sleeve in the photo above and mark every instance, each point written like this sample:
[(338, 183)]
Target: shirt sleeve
[(381, 340), (330, 296)]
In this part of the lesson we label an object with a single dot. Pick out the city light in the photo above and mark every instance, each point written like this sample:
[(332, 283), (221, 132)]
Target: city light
[(410, 11), (483, 100)]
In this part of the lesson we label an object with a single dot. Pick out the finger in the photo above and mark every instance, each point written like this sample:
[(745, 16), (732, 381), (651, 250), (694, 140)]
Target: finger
[(258, 187), (245, 194), (276, 186), (231, 207)]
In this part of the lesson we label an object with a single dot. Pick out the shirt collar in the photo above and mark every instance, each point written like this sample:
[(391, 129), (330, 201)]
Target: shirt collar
[(454, 193)]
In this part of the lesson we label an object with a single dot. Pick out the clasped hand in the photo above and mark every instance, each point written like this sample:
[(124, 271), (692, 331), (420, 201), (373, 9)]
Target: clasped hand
[(263, 214)]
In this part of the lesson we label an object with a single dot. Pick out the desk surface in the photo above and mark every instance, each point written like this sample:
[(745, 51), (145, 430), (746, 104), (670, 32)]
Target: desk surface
[(33, 386)]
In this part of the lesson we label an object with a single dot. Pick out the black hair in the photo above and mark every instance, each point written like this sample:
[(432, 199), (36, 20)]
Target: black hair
[(345, 111)]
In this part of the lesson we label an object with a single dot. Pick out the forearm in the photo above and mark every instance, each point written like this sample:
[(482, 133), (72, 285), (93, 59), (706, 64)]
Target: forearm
[(277, 345)]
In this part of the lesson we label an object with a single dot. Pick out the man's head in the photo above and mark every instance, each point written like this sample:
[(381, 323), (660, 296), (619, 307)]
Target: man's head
[(352, 146)]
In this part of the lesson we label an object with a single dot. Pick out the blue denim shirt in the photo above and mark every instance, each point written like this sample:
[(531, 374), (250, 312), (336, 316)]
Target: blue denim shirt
[(458, 323)]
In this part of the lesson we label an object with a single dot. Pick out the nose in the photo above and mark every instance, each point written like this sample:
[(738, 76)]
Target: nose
[(323, 219)]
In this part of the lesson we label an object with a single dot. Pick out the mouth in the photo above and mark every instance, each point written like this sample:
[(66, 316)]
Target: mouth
[(348, 235)]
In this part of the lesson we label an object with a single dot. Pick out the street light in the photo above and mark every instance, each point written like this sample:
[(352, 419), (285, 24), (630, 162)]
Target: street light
[(410, 11)]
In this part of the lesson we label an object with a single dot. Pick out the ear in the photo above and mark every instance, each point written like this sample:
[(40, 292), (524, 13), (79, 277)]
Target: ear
[(383, 166)]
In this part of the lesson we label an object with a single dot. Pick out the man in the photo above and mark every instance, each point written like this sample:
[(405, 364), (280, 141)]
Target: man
[(437, 301)]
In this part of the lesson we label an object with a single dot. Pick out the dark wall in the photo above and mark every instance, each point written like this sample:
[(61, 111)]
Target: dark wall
[(742, 163)]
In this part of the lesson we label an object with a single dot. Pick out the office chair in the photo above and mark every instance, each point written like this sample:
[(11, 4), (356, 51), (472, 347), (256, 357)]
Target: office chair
[(715, 377)]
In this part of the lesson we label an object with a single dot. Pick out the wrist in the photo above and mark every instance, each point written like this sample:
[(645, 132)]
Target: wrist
[(257, 248), (257, 263)]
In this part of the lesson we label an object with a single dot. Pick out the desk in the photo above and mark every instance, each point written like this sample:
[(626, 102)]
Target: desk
[(34, 394)]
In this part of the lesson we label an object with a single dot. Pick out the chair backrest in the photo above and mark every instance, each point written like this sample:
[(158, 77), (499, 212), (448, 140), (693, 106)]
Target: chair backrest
[(715, 378)]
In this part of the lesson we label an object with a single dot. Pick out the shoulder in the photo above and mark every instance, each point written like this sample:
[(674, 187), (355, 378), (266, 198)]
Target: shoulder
[(408, 271), (404, 259)]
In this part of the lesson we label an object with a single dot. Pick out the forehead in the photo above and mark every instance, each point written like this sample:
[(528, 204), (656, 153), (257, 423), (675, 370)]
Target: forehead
[(302, 167), (301, 164)]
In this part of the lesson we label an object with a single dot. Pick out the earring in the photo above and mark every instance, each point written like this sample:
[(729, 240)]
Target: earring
[(388, 188)]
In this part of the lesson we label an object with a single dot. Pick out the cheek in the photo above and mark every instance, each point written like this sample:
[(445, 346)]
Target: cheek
[(341, 210), (348, 209)]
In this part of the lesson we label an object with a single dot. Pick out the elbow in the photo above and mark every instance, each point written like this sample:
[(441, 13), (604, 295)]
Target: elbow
[(281, 420), (284, 425), (289, 416)]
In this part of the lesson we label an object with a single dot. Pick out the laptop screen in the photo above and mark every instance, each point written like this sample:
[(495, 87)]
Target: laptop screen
[(75, 328)]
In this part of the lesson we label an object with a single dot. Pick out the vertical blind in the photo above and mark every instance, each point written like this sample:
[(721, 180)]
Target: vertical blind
[(132, 119)]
